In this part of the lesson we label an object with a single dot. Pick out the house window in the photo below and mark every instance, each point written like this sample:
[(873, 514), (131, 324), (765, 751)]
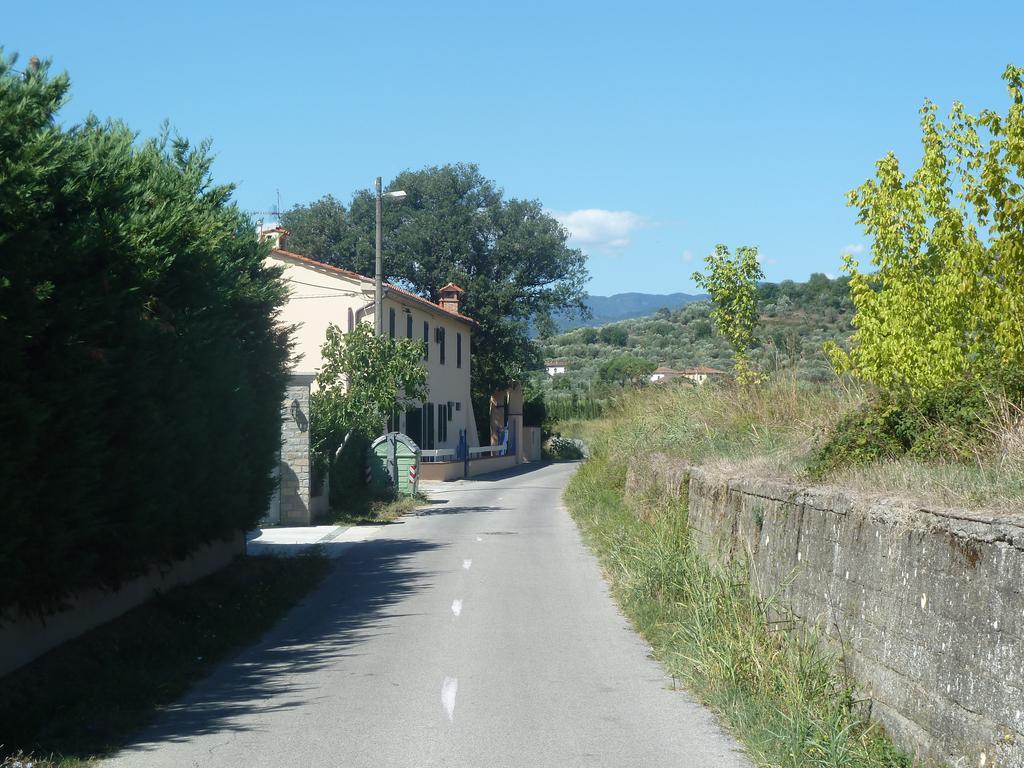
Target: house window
[(426, 340), (351, 319), (430, 426), (414, 425), (408, 325), (440, 342), (458, 350), (442, 423), (391, 323)]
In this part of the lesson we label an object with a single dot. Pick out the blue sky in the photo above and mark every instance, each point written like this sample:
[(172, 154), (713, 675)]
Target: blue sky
[(653, 130)]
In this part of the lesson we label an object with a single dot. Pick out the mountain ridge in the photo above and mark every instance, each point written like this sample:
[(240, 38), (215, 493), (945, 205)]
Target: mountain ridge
[(625, 306)]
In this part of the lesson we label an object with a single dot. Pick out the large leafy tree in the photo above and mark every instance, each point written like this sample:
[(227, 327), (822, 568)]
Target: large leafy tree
[(946, 301), (627, 369), (509, 255), (321, 231)]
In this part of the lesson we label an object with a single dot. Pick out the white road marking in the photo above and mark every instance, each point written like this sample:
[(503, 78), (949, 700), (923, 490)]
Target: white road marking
[(479, 539), (449, 688), (466, 564), (456, 607)]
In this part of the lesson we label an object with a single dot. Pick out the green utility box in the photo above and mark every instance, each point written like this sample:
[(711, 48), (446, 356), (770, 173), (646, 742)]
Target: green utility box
[(394, 461)]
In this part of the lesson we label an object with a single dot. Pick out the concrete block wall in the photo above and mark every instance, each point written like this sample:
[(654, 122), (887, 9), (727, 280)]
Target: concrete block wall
[(927, 604), (295, 454)]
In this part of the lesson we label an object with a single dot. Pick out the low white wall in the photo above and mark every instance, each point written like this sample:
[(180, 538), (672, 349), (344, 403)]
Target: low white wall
[(454, 470), (24, 639), (486, 464)]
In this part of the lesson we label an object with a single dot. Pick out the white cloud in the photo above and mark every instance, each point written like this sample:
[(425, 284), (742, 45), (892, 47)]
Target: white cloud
[(762, 259), (687, 257), (601, 229), (853, 249)]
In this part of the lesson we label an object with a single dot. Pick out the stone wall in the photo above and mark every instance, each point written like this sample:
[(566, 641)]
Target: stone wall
[(927, 604)]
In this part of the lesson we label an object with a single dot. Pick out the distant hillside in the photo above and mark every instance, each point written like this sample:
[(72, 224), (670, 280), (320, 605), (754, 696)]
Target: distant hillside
[(796, 318), (622, 306)]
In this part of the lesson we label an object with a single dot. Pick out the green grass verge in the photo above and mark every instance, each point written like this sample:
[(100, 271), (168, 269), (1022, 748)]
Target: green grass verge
[(775, 685), (82, 700)]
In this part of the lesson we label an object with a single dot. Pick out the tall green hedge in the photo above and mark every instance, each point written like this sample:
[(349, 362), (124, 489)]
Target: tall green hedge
[(141, 367)]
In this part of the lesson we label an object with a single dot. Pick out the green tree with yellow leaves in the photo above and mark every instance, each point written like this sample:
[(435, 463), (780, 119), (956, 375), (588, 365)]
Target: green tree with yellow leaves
[(946, 302), (731, 281)]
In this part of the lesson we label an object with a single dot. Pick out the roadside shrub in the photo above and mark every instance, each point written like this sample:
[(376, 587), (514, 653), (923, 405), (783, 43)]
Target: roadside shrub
[(348, 473), (560, 448), (573, 407), (949, 424), (143, 370)]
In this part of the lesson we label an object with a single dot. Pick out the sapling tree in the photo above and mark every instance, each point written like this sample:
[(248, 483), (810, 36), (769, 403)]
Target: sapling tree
[(731, 281), (363, 380)]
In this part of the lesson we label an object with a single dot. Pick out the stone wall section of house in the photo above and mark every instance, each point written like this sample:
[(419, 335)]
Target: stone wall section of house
[(926, 604), (295, 453)]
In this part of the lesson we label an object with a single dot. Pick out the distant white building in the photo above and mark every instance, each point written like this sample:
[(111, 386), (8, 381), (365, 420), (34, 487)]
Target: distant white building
[(697, 375), (556, 367), (661, 373)]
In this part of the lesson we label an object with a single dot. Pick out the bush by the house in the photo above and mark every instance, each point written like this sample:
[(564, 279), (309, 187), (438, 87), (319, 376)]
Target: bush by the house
[(142, 371), (560, 448)]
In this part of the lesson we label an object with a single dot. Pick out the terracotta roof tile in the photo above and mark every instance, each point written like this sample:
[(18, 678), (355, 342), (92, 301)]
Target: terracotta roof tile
[(388, 287)]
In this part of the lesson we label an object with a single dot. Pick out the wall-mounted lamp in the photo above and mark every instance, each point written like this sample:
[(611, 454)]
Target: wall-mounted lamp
[(298, 416)]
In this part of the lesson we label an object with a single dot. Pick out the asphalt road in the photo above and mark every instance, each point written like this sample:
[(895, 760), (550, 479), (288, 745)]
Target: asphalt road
[(476, 633)]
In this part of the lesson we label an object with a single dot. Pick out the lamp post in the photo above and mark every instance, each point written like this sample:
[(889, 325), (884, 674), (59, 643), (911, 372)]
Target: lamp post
[(378, 287)]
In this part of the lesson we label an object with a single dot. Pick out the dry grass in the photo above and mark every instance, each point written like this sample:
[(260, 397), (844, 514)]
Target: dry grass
[(772, 432), (366, 511), (991, 486)]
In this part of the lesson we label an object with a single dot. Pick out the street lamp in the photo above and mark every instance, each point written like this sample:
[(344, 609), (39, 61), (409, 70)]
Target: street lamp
[(378, 288)]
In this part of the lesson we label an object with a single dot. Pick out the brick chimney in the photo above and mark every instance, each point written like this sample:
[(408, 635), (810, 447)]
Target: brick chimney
[(275, 233), (450, 297)]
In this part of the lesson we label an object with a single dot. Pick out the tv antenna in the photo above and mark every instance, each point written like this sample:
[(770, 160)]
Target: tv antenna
[(276, 212)]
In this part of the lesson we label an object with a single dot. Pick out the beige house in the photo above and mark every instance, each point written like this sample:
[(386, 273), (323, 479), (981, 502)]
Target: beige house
[(697, 375), (321, 294)]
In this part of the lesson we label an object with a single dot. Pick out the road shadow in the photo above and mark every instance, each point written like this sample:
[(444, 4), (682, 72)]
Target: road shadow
[(455, 510), (350, 606), (517, 471)]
